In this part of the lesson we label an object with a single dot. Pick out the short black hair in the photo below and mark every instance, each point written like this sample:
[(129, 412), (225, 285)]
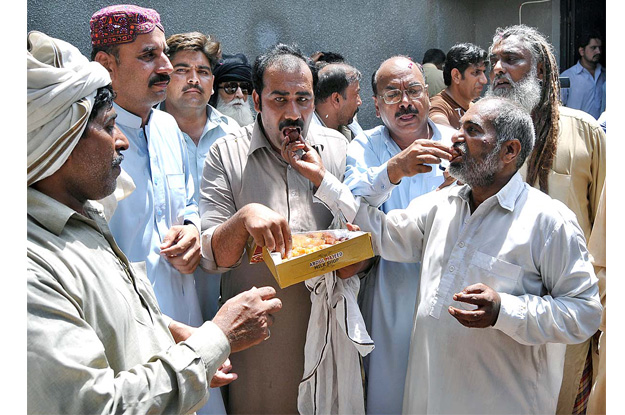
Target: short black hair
[(331, 57), (103, 101), (335, 78), (586, 36), (435, 56), (460, 56), (274, 54)]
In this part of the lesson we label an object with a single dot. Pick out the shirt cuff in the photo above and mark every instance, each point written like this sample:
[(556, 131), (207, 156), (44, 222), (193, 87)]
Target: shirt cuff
[(337, 197), (207, 262), (381, 182), (194, 219), (211, 344), (512, 314)]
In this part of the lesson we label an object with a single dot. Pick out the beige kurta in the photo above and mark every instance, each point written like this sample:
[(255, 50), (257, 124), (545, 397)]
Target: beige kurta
[(596, 247), (242, 169), (97, 341), (576, 179)]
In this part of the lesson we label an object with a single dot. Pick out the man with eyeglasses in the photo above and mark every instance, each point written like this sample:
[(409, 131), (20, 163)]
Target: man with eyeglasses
[(233, 80), (389, 166), (193, 56)]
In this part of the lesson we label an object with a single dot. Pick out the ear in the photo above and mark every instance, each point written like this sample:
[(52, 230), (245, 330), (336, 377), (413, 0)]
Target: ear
[(580, 50), (256, 99), (336, 99), (456, 76), (106, 60), (510, 151), (377, 109), (540, 68)]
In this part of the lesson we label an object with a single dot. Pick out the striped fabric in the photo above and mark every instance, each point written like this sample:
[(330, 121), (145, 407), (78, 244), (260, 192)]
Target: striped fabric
[(585, 385)]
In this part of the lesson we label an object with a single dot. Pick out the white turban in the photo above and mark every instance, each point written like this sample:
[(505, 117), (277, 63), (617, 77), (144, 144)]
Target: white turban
[(62, 85)]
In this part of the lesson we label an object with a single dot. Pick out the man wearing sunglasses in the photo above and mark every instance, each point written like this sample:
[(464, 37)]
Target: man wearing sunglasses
[(386, 166), (233, 80)]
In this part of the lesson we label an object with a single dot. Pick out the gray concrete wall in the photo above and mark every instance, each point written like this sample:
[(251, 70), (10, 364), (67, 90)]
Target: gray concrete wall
[(366, 33)]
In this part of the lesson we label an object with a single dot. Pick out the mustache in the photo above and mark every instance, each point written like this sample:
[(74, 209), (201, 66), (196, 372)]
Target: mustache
[(404, 111), (461, 147), (291, 123), (159, 77), (192, 86), (117, 160)]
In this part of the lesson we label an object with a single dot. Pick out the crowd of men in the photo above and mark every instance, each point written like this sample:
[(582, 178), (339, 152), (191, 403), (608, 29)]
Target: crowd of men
[(154, 163)]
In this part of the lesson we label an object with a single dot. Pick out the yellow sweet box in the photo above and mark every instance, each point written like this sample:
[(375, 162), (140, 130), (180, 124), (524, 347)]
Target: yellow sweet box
[(314, 253)]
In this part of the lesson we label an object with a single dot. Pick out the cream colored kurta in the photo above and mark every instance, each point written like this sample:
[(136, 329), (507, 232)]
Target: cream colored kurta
[(576, 179), (242, 169)]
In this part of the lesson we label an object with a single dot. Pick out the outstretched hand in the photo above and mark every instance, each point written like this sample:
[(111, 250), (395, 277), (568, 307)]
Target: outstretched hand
[(245, 319)]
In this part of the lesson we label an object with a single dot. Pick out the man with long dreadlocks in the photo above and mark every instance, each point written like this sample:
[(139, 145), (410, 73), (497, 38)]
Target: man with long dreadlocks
[(568, 160)]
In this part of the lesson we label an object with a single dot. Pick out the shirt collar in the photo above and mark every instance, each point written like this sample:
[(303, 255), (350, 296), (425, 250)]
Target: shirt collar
[(579, 68), (506, 197), (129, 119), (52, 214)]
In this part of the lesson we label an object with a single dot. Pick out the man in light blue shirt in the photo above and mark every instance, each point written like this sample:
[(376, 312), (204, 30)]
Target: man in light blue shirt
[(587, 76), (159, 222), (387, 166), (193, 57)]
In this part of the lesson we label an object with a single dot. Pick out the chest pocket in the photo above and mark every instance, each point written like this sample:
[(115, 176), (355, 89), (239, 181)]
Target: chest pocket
[(177, 197), (498, 274)]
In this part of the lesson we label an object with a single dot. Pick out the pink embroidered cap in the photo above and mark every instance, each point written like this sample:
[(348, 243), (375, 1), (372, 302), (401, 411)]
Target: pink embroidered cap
[(122, 23)]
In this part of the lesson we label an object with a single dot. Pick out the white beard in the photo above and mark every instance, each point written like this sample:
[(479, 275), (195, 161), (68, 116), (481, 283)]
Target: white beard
[(241, 113)]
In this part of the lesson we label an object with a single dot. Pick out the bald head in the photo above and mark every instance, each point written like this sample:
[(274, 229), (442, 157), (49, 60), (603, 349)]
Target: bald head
[(394, 66)]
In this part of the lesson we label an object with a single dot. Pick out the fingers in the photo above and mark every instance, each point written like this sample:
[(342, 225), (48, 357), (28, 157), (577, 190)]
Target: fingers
[(352, 227), (472, 298), (472, 319), (222, 378)]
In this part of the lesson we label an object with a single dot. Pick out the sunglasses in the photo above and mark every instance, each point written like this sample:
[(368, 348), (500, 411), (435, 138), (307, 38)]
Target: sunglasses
[(231, 87)]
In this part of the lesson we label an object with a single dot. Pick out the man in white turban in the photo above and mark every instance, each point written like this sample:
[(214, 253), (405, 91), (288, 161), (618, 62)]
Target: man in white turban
[(96, 339)]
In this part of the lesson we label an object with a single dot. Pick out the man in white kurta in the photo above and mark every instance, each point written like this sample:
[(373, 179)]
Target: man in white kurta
[(494, 242)]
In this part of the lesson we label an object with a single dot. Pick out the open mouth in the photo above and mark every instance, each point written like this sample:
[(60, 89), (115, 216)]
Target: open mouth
[(292, 133)]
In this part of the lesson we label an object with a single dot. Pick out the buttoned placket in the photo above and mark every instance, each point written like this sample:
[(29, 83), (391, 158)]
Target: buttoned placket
[(108, 240), (453, 275)]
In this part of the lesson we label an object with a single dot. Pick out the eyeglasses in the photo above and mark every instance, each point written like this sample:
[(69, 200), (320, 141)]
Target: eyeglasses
[(393, 96), (231, 87)]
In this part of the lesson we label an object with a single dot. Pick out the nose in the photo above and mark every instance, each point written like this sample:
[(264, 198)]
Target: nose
[(121, 142), (483, 80), (457, 137), (239, 93), (358, 100), (193, 78), (405, 100), (164, 65), (292, 111)]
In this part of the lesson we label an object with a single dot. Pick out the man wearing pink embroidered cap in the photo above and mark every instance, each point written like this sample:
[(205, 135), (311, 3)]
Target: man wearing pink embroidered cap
[(158, 223)]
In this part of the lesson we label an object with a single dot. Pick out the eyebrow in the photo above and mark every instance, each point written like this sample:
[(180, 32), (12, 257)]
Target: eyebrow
[(186, 65), (285, 93)]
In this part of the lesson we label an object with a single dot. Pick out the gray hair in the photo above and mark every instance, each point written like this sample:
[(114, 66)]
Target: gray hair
[(511, 122)]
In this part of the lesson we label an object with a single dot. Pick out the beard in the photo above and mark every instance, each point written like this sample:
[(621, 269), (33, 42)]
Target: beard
[(525, 92), (476, 173), (241, 113)]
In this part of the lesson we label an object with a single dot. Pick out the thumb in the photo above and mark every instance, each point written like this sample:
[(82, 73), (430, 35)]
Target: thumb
[(169, 239)]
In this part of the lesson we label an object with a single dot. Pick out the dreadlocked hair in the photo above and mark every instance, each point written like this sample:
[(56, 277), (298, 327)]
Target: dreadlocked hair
[(546, 114)]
